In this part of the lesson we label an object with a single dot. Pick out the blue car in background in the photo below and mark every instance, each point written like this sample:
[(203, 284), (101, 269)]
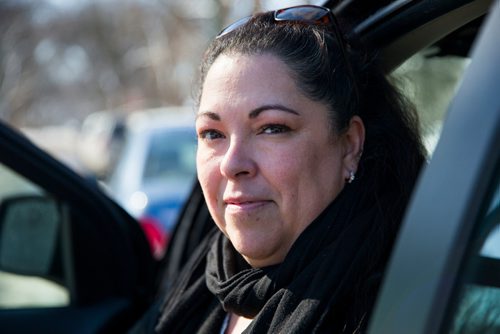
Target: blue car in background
[(155, 170)]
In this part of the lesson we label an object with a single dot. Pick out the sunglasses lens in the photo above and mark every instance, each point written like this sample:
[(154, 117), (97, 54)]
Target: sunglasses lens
[(303, 13), (234, 26)]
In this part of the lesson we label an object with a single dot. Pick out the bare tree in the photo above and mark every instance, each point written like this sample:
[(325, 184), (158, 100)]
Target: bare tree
[(62, 64)]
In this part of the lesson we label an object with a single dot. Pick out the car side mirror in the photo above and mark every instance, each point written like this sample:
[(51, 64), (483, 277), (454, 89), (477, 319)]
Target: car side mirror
[(29, 229)]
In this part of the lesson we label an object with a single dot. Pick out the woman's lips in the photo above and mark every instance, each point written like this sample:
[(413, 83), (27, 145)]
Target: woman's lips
[(245, 205)]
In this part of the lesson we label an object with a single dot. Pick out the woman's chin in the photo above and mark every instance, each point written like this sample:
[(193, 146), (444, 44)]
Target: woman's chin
[(260, 237), (259, 253)]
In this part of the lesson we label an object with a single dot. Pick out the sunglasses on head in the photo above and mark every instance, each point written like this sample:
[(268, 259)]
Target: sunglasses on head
[(310, 14), (307, 13)]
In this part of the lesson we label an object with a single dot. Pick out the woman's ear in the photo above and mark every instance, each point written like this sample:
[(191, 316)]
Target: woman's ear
[(354, 139)]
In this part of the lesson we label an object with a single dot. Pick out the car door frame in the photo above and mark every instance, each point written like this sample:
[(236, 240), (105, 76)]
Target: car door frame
[(430, 248)]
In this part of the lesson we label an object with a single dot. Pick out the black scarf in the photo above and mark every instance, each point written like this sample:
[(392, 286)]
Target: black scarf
[(327, 282)]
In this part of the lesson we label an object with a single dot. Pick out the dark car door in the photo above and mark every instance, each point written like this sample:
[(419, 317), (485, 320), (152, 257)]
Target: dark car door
[(444, 275), (71, 261)]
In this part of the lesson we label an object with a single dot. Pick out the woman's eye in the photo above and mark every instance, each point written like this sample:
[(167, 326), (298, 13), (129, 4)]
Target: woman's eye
[(210, 134), (274, 129)]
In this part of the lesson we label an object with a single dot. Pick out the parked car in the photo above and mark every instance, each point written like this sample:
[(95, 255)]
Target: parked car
[(98, 141), (155, 170), (61, 232)]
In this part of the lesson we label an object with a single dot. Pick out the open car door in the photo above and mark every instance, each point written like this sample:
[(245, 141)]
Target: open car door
[(444, 276), (71, 260)]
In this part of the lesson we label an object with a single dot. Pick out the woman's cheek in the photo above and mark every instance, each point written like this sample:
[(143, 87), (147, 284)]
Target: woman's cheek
[(204, 159), (280, 161), (208, 176)]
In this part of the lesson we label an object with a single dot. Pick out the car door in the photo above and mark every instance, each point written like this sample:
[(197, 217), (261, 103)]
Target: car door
[(444, 275), (71, 260)]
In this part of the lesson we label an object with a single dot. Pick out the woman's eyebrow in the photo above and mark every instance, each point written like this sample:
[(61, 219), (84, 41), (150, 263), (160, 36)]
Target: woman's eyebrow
[(256, 112), (209, 114), (253, 114)]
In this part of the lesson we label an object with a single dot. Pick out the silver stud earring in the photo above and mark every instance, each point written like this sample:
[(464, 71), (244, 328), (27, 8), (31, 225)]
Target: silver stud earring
[(351, 177)]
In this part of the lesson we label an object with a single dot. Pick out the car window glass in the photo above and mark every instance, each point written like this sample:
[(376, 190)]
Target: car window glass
[(29, 243), (491, 247), (429, 80), (477, 297)]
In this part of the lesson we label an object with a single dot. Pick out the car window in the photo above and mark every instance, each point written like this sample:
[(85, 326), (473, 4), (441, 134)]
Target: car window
[(30, 223), (171, 155), (477, 295), (429, 80)]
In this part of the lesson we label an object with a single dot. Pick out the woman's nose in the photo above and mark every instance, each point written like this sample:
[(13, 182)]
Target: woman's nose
[(238, 160)]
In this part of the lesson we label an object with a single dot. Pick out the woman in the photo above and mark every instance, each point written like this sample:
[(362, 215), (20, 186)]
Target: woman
[(306, 158)]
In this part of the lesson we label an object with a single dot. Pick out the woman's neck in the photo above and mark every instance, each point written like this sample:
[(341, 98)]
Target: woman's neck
[(237, 324)]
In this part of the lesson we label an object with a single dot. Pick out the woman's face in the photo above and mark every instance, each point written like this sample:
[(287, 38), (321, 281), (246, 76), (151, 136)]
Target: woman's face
[(267, 159)]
